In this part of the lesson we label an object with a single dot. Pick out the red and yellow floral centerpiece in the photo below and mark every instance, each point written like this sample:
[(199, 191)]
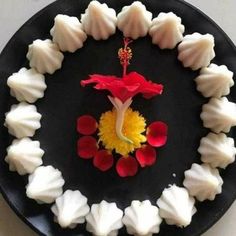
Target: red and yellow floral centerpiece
[(121, 130)]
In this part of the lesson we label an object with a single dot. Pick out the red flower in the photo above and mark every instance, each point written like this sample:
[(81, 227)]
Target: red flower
[(157, 134), (126, 166), (87, 147), (126, 87), (103, 160), (86, 125), (146, 155)]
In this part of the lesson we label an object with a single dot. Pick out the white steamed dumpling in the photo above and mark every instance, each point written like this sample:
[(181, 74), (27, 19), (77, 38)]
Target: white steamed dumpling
[(166, 30), (218, 150), (44, 56), (219, 115), (134, 20), (68, 33), (142, 218), (196, 50), (176, 206), (104, 219), (99, 20), (23, 120), (70, 209), (215, 81), (27, 85), (24, 156), (203, 182), (45, 184)]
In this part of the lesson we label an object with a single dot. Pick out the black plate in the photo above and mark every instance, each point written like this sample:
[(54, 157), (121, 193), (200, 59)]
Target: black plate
[(65, 100)]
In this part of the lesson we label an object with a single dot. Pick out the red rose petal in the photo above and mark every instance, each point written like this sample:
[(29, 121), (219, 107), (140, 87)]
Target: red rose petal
[(103, 160), (127, 166), (157, 134), (87, 147), (146, 155), (86, 125)]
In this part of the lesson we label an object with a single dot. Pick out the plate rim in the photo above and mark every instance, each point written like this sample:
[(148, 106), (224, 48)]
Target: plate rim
[(35, 16)]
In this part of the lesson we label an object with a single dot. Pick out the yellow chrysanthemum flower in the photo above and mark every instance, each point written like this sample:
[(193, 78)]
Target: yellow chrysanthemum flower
[(133, 127)]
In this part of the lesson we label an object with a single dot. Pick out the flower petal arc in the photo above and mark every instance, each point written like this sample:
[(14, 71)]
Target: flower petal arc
[(87, 147), (146, 155), (126, 166), (86, 125), (103, 160), (157, 134)]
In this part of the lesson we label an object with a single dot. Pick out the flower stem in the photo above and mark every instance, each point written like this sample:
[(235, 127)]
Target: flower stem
[(124, 70), (120, 111)]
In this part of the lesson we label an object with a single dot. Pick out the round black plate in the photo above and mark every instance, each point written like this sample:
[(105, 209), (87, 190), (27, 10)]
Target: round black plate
[(65, 100)]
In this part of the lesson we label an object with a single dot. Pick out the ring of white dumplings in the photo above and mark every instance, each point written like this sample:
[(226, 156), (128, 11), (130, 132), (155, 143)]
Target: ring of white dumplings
[(141, 218)]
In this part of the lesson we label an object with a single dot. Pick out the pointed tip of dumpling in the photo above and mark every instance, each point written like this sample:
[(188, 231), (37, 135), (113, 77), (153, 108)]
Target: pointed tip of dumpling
[(136, 8), (95, 7)]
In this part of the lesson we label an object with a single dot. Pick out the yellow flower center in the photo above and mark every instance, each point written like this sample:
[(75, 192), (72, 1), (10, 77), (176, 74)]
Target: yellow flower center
[(133, 127)]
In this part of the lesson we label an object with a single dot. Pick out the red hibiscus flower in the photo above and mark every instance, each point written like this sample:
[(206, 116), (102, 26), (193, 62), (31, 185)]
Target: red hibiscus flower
[(126, 87)]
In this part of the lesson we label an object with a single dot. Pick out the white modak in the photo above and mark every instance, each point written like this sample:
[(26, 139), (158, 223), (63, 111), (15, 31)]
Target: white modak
[(45, 183), (217, 150), (23, 120), (176, 206), (99, 21), (44, 56), (215, 81), (219, 115), (104, 219), (203, 182), (27, 85), (196, 50), (134, 20), (142, 218), (24, 156), (166, 30), (68, 33), (70, 209)]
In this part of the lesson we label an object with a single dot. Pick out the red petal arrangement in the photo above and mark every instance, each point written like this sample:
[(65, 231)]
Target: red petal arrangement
[(123, 89), (88, 148)]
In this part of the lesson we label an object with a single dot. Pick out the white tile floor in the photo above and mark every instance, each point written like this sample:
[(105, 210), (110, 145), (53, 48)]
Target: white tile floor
[(216, 9)]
